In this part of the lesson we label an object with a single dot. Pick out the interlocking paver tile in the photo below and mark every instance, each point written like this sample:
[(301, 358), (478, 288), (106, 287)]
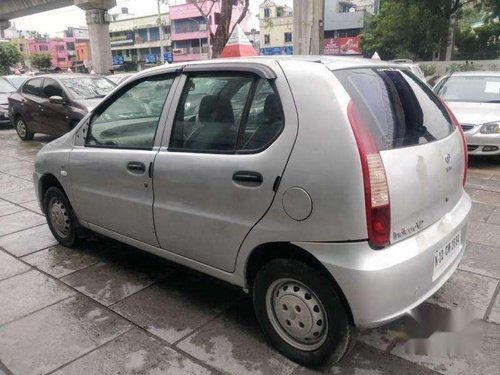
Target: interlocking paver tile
[(44, 341), (481, 356), (21, 196), (481, 259), (60, 261), (157, 308), (364, 360), (466, 291), (28, 241), (10, 266), (19, 221), (7, 208), (233, 343), (28, 292), (484, 233), (119, 277), (135, 352)]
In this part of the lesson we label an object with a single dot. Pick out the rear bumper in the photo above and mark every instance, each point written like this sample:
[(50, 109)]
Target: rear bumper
[(382, 285), (476, 142)]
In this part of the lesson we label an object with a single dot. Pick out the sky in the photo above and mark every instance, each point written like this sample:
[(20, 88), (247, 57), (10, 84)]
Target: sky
[(58, 20)]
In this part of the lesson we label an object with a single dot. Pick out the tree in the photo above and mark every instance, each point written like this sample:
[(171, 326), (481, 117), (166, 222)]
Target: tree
[(447, 10), (9, 56), (404, 29), (479, 43), (223, 31), (41, 61)]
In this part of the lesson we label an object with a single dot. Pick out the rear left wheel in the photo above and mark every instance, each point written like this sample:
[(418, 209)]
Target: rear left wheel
[(301, 313), (60, 217)]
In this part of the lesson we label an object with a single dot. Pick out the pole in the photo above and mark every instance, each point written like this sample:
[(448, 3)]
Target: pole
[(162, 50)]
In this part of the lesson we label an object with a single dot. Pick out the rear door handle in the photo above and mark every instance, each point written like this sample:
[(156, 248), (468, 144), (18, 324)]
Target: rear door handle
[(247, 176), (136, 167)]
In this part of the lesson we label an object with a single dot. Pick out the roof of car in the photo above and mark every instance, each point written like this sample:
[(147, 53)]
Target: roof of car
[(66, 75), (332, 62), (477, 74)]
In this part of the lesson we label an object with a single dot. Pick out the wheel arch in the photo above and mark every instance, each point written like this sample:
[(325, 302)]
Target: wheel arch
[(264, 253), (46, 181)]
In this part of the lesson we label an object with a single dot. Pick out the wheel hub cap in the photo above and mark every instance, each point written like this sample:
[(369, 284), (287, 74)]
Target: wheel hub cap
[(60, 219), (296, 314), (21, 128)]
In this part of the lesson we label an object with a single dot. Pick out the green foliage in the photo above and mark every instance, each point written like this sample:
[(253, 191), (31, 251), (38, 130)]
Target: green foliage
[(428, 69), (404, 29), (41, 61), (466, 67), (478, 43), (9, 56)]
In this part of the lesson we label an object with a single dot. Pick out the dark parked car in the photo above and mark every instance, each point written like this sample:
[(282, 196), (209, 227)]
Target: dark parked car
[(6, 89), (55, 103)]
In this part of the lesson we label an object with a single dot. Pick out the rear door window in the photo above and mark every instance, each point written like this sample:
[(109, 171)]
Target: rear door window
[(226, 113), (33, 87), (400, 110)]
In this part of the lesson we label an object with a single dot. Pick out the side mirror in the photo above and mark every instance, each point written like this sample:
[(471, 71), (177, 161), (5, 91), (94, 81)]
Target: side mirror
[(56, 100)]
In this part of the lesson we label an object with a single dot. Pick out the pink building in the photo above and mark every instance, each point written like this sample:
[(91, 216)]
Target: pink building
[(190, 32), (63, 50)]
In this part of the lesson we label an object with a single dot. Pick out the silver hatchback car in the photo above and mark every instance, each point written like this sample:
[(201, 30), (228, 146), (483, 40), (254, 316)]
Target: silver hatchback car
[(330, 189), (474, 98)]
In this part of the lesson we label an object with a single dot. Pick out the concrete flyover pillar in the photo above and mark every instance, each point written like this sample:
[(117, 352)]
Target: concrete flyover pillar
[(4, 24), (96, 12)]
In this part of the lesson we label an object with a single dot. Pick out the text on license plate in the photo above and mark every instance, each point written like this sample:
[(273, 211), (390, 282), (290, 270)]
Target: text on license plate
[(444, 255)]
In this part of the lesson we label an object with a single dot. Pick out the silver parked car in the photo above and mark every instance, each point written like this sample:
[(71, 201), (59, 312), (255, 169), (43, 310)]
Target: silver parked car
[(330, 189), (474, 98)]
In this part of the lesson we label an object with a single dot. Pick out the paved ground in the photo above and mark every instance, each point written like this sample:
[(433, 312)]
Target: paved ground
[(110, 309)]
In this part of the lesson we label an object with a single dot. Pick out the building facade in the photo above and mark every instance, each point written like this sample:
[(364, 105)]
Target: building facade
[(276, 29), (62, 50), (191, 31), (136, 42), (345, 21)]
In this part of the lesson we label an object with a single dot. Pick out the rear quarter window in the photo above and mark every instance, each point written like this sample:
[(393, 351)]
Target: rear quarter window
[(400, 110)]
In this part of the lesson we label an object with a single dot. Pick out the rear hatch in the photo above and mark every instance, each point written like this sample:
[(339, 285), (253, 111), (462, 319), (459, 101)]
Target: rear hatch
[(421, 149)]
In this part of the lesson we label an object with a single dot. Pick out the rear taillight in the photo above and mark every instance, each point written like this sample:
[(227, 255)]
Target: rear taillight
[(464, 142), (378, 209)]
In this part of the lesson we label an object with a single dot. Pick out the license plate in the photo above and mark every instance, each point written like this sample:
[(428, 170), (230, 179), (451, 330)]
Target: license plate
[(445, 255)]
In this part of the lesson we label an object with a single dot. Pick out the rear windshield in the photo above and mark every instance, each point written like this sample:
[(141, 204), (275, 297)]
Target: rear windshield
[(480, 89), (400, 110)]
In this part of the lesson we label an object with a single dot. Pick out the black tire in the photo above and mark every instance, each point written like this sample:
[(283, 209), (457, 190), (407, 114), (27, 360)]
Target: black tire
[(60, 217), (338, 333), (22, 129)]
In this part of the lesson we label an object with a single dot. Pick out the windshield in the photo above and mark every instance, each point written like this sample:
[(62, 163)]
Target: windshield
[(6, 87), (17, 81), (88, 87), (479, 89)]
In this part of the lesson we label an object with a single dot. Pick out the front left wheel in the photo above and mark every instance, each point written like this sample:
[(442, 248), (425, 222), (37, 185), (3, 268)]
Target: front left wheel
[(60, 217), (301, 313)]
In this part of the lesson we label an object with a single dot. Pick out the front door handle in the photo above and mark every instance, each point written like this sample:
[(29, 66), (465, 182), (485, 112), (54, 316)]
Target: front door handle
[(136, 167), (247, 176)]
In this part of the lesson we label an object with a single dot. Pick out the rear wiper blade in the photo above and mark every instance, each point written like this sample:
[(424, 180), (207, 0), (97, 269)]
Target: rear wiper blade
[(98, 96)]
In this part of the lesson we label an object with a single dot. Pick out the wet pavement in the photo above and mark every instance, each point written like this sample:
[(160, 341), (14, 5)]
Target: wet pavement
[(107, 308)]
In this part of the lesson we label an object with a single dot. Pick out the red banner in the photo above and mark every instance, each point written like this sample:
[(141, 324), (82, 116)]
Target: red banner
[(342, 46)]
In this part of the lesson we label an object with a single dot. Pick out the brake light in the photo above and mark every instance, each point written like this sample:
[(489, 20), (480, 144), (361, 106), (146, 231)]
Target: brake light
[(378, 208), (464, 142)]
